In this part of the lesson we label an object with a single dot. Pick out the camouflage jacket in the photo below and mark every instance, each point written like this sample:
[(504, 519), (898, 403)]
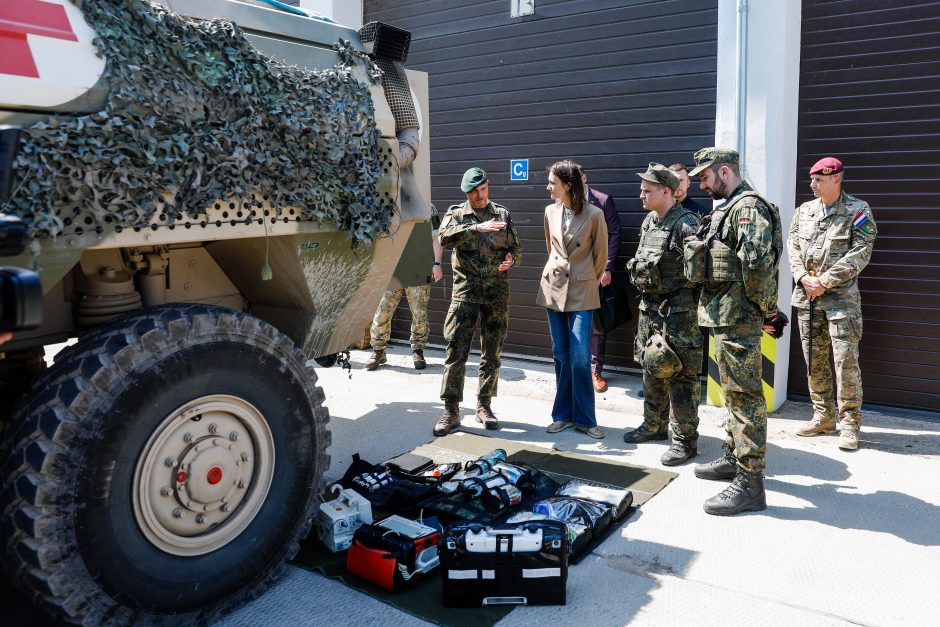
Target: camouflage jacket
[(476, 256), (755, 244), (836, 243)]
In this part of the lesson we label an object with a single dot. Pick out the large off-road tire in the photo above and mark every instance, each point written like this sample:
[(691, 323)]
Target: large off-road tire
[(164, 468)]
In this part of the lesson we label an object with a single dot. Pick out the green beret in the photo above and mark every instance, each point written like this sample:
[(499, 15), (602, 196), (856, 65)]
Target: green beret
[(661, 175), (472, 179), (710, 156)]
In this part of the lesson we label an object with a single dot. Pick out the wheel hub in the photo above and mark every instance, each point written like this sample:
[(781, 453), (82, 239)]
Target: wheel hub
[(203, 475)]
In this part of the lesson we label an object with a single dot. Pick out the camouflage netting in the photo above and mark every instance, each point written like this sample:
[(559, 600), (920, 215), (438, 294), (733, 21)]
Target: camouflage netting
[(196, 110)]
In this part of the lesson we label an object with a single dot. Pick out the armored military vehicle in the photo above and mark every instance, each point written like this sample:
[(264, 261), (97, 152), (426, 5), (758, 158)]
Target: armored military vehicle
[(219, 192)]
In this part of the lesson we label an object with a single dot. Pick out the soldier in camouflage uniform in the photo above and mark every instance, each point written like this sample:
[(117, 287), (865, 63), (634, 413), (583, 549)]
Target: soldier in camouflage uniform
[(485, 245), (667, 307), (830, 243), (418, 297), (740, 243)]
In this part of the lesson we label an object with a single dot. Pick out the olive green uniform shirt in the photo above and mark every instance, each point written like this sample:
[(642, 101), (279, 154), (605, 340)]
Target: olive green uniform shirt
[(476, 256)]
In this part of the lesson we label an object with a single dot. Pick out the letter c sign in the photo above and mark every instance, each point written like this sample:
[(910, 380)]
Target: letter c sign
[(519, 170)]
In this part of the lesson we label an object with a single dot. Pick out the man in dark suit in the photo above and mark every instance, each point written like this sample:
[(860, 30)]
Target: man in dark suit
[(682, 192), (599, 338)]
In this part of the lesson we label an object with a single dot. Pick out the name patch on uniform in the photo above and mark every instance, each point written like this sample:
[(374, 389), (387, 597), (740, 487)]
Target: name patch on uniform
[(859, 220)]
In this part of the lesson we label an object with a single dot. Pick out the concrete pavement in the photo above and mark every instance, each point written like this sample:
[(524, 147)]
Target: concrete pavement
[(847, 538)]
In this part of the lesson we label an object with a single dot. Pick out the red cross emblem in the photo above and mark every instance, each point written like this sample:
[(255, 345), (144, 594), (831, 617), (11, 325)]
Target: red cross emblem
[(28, 17)]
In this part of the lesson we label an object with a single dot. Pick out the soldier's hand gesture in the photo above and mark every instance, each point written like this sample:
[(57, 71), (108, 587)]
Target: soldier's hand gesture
[(813, 286), (491, 226), (507, 263)]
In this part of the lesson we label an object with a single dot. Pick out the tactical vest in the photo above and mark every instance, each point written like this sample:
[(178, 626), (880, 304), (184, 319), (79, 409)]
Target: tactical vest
[(722, 262), (657, 268)]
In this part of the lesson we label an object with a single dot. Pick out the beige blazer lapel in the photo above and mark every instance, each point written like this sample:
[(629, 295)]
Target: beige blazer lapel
[(577, 223), (557, 224)]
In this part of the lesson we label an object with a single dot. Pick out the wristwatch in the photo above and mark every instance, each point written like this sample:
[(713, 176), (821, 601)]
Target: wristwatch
[(437, 263)]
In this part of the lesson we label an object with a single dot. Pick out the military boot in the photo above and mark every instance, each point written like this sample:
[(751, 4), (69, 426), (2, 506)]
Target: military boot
[(678, 453), (417, 356), (725, 467), (450, 419), (378, 358), (745, 494), (485, 414), (848, 436), (816, 426)]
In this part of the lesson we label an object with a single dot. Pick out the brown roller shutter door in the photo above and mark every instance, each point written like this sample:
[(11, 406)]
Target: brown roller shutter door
[(869, 94)]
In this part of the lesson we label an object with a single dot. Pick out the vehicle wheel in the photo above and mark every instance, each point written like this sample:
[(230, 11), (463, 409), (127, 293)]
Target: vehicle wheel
[(164, 470)]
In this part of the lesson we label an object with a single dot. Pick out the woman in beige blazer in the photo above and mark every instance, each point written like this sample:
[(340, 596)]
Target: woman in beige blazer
[(576, 240)]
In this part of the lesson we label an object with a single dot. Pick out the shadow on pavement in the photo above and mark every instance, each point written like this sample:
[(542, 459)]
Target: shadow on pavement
[(834, 504)]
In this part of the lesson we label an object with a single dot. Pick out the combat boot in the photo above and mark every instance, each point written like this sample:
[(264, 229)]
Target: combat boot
[(418, 357), (378, 358), (848, 436), (450, 419), (725, 467), (745, 494), (678, 453), (816, 426), (642, 434), (485, 414)]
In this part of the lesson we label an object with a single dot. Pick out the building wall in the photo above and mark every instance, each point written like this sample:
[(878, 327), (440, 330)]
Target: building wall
[(613, 85)]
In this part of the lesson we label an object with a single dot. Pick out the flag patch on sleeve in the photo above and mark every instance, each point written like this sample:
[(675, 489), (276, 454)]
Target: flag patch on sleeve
[(859, 220)]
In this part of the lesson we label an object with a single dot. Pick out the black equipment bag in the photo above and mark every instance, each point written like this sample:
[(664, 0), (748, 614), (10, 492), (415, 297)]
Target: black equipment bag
[(614, 310), (524, 563), (381, 488)]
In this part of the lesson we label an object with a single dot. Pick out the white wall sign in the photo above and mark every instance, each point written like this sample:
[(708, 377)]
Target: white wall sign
[(519, 8)]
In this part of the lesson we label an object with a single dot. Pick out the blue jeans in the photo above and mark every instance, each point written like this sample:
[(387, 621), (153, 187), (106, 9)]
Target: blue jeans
[(571, 348)]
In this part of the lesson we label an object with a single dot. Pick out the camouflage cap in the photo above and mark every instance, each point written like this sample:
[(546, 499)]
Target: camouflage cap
[(472, 179), (661, 175), (714, 155)]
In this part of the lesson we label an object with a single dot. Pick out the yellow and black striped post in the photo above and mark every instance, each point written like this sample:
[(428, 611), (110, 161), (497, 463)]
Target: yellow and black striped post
[(768, 349)]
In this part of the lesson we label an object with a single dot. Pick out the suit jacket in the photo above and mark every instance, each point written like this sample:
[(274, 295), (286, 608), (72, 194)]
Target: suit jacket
[(606, 203), (576, 259)]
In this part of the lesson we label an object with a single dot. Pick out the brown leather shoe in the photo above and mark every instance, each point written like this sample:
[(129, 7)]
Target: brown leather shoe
[(599, 384), (418, 357), (595, 432), (378, 358)]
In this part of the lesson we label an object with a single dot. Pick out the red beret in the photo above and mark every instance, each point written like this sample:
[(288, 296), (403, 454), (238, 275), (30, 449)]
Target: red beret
[(827, 165)]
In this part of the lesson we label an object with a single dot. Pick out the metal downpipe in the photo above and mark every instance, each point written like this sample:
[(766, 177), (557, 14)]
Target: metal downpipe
[(741, 82)]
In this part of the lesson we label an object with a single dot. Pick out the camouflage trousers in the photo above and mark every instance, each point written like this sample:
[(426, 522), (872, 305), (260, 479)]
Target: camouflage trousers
[(841, 329), (737, 352), (674, 400), (381, 330), (459, 326)]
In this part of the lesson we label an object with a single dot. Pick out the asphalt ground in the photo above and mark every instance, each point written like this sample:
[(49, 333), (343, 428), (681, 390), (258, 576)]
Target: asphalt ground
[(847, 538)]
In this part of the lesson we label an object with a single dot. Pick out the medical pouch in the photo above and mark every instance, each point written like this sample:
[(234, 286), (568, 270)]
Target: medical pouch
[(394, 553)]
